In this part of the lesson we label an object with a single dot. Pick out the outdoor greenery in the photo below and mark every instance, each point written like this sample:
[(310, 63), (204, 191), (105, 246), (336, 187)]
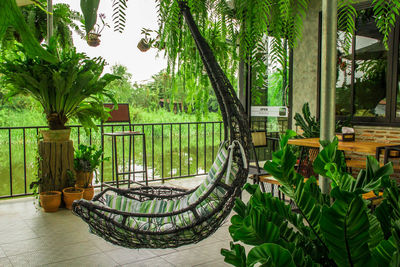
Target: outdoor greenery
[(328, 230), (87, 158), (65, 21), (70, 88), (311, 126)]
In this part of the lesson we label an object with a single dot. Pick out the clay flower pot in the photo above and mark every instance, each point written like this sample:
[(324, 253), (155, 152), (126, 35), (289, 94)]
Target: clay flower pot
[(83, 179), (50, 200), (56, 135), (88, 192), (70, 194)]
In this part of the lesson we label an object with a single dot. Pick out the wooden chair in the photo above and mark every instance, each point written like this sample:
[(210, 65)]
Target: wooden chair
[(122, 117), (256, 172)]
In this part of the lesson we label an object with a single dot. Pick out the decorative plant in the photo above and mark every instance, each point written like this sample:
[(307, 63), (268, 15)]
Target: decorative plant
[(93, 36), (146, 42), (71, 88), (65, 21), (310, 125), (11, 15), (328, 230), (87, 159)]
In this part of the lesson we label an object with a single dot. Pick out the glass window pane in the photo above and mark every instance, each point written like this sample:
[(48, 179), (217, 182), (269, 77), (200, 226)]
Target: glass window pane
[(370, 70), (343, 81)]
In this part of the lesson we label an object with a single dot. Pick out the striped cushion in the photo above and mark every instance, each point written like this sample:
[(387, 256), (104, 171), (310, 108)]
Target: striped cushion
[(157, 206)]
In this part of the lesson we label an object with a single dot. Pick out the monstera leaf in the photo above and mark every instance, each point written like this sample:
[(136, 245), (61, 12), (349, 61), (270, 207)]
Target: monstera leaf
[(345, 228), (10, 15)]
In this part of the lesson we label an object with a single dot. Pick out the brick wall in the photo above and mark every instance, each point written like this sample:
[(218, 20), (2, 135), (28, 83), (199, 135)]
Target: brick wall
[(382, 134)]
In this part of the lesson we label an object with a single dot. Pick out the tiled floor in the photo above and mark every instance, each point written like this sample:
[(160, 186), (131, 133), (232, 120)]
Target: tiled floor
[(30, 237)]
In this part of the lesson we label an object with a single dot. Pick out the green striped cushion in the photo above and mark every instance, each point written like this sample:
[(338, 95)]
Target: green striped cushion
[(158, 206)]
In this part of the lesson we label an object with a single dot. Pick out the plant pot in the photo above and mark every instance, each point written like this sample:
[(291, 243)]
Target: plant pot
[(93, 39), (83, 179), (88, 192), (56, 135), (50, 200), (143, 45), (70, 195)]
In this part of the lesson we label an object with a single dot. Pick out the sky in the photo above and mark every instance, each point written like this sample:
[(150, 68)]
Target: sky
[(117, 48)]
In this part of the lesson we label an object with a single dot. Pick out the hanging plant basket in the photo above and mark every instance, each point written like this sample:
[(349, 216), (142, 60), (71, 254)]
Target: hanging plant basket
[(93, 39), (144, 45)]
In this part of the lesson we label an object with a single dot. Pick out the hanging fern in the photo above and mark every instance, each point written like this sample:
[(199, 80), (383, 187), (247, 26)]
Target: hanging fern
[(385, 15), (119, 15)]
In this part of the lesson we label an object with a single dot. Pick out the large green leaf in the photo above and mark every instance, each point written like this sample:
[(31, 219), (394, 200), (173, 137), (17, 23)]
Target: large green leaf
[(345, 228), (256, 229), (270, 255), (235, 256), (384, 252), (10, 15), (89, 10)]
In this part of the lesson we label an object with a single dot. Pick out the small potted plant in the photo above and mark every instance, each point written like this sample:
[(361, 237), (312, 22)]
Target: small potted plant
[(71, 193), (49, 200), (146, 42), (93, 37), (86, 161)]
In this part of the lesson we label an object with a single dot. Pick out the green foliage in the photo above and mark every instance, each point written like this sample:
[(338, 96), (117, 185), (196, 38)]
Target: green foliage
[(89, 10), (118, 16), (72, 88), (311, 126), (64, 20), (87, 158), (10, 15), (329, 230)]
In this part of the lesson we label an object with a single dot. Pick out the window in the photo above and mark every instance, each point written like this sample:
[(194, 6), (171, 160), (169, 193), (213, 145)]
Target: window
[(367, 86)]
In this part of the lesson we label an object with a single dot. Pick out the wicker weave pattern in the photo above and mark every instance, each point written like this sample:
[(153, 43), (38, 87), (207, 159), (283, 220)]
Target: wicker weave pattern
[(189, 216)]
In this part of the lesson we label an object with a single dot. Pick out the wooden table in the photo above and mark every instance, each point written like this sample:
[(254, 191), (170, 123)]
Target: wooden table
[(354, 146)]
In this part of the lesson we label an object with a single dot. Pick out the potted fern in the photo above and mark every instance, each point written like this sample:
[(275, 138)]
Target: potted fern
[(86, 161)]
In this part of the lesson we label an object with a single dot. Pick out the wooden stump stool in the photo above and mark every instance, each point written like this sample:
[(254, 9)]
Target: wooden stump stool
[(56, 160)]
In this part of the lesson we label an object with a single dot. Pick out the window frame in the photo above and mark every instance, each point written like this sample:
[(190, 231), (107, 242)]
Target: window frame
[(392, 78)]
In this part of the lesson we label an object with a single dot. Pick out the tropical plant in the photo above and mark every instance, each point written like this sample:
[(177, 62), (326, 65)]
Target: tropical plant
[(10, 15), (311, 126), (64, 20), (87, 158), (71, 88), (328, 230)]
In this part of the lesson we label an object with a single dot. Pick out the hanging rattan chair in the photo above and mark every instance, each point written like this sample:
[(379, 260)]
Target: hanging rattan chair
[(162, 217)]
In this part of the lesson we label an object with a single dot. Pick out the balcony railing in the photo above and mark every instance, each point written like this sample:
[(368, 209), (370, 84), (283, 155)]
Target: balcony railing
[(174, 150)]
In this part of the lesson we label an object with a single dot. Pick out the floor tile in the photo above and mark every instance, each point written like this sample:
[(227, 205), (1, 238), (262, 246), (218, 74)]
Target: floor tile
[(217, 263), (5, 262), (95, 260), (186, 258), (24, 246), (56, 253), (2, 253), (126, 255), (16, 234), (153, 262)]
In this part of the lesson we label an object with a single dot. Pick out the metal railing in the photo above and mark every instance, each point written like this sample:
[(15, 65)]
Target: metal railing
[(174, 150)]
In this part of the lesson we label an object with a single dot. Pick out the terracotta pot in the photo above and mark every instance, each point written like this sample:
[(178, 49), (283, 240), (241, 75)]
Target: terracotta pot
[(143, 45), (93, 39), (70, 194), (50, 200), (83, 179), (56, 135), (88, 192)]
